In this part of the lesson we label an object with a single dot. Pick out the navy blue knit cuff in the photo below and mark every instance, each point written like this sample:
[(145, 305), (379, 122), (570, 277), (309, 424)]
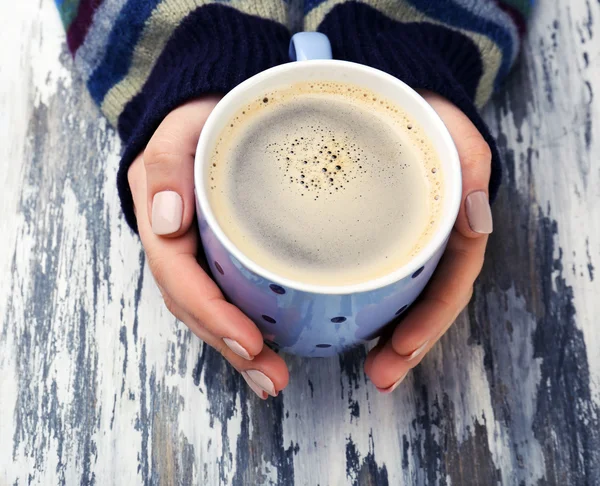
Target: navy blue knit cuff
[(423, 55), (211, 51)]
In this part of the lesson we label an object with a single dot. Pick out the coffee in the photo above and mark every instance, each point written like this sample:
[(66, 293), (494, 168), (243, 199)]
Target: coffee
[(325, 184)]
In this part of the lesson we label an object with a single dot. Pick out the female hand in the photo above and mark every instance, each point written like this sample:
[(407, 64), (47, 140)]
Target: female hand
[(450, 289), (162, 183)]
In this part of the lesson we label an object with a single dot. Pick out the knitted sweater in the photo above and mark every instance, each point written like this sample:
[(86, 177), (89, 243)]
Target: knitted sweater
[(142, 58)]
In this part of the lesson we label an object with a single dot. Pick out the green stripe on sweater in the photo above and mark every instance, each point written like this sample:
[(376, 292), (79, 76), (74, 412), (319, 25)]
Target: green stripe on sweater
[(67, 10), (523, 6)]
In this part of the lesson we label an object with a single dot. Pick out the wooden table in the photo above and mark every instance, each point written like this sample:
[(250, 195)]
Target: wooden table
[(100, 385)]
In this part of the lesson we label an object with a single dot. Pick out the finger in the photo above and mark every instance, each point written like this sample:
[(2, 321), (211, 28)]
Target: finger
[(180, 278), (169, 162), (390, 358), (268, 372), (266, 375), (448, 292), (475, 216), (155, 245), (196, 293)]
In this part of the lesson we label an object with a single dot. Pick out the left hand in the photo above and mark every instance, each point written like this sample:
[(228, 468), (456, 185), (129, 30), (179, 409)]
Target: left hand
[(451, 287), (171, 241)]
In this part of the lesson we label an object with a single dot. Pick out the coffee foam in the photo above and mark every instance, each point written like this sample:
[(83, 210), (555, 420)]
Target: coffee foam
[(326, 184)]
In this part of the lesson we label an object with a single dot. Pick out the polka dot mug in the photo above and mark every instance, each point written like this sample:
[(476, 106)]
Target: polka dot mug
[(312, 320)]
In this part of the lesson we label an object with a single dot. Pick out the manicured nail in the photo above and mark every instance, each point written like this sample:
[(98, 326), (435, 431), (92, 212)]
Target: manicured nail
[(416, 352), (390, 389), (167, 212), (254, 387), (238, 349), (479, 212), (262, 381)]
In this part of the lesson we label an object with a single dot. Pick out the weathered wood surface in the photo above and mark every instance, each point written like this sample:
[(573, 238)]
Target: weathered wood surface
[(99, 385)]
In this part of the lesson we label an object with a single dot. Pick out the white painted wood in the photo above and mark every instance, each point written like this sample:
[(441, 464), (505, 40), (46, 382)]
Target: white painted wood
[(98, 384)]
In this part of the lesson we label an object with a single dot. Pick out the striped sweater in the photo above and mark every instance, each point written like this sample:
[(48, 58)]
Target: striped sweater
[(142, 58)]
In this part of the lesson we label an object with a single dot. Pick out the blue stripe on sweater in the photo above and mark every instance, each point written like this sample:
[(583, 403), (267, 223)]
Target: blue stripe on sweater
[(121, 45)]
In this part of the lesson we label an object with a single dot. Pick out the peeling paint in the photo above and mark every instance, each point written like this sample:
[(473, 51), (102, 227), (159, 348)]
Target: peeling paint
[(100, 385)]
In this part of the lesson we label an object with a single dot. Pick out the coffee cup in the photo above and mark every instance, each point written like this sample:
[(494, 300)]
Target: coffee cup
[(295, 315)]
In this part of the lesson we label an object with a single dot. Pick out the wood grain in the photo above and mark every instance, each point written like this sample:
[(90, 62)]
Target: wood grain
[(99, 385)]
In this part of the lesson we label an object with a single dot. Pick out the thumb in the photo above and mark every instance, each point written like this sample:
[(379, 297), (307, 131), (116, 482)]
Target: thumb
[(475, 216), (169, 163)]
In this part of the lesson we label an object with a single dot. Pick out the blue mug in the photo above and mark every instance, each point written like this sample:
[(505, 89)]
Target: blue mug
[(313, 320)]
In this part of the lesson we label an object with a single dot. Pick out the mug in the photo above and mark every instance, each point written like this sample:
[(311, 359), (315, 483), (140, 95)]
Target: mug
[(313, 320)]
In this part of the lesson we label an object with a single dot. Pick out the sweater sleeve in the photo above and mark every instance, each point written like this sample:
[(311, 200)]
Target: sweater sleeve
[(141, 59), (461, 49)]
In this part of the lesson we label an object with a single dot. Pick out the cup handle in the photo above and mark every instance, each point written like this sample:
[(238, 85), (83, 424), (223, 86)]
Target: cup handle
[(306, 46)]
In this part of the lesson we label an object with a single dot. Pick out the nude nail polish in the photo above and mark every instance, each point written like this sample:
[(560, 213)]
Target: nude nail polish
[(262, 381), (416, 352), (237, 348), (479, 213), (390, 389), (254, 387), (167, 212)]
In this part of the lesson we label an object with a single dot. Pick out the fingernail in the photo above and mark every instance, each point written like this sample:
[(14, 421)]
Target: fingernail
[(479, 213), (167, 212), (254, 387), (262, 381), (237, 348), (416, 352), (390, 389)]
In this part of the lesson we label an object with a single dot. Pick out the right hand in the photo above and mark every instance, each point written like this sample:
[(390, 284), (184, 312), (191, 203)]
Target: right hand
[(162, 184)]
